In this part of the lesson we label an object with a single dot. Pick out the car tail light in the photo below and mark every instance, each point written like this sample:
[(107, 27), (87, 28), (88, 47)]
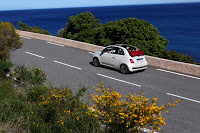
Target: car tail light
[(131, 61)]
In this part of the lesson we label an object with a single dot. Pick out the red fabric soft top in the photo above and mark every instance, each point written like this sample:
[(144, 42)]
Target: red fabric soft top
[(136, 53)]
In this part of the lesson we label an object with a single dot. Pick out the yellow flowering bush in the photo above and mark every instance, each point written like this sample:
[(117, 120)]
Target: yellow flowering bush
[(34, 93), (127, 115)]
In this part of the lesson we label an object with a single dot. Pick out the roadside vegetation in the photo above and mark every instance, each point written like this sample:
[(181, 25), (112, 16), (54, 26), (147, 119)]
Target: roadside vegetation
[(28, 105), (36, 29), (84, 27)]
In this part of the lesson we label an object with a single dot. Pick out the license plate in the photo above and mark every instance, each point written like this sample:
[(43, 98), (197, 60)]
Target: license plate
[(140, 59)]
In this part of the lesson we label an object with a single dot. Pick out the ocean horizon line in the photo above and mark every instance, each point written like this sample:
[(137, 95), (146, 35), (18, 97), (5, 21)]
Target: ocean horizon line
[(98, 6)]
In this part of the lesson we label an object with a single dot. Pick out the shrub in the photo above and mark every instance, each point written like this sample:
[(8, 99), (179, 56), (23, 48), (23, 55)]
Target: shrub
[(4, 68), (36, 29), (173, 55), (127, 115), (61, 111), (60, 32), (34, 93), (27, 77), (13, 107), (9, 40)]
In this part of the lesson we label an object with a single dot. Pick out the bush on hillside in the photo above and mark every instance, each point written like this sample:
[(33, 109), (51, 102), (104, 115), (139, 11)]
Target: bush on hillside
[(9, 40), (14, 108), (29, 76), (36, 29), (173, 55)]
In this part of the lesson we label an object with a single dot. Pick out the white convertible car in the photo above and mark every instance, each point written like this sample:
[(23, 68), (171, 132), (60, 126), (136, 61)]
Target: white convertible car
[(123, 57)]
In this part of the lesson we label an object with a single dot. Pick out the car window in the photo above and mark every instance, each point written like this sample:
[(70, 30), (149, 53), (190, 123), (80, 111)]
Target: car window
[(120, 51), (111, 50), (114, 50)]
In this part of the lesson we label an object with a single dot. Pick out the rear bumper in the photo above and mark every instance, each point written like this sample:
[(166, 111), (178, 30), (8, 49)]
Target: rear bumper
[(137, 67), (140, 67)]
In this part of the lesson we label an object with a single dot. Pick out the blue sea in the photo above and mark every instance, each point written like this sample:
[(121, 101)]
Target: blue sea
[(179, 23)]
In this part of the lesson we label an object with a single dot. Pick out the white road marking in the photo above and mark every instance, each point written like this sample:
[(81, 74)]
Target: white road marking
[(183, 97), (35, 55), (67, 65), (178, 74), (118, 80), (90, 53), (56, 44), (25, 37)]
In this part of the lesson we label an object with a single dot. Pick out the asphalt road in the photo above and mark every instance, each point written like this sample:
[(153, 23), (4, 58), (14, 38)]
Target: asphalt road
[(67, 66)]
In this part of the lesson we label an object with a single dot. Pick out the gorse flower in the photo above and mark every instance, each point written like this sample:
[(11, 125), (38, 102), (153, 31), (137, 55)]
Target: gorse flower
[(133, 113)]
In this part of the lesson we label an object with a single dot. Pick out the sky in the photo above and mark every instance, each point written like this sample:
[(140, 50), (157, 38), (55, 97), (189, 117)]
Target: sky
[(40, 4)]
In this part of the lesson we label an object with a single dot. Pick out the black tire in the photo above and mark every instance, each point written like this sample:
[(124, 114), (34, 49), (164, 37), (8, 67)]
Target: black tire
[(124, 69), (96, 62)]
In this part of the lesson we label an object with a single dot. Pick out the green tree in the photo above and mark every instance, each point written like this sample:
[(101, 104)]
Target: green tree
[(9, 40), (84, 27), (81, 28), (136, 32)]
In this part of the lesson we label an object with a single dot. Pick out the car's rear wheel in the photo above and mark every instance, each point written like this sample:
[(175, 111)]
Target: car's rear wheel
[(96, 62), (124, 69)]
